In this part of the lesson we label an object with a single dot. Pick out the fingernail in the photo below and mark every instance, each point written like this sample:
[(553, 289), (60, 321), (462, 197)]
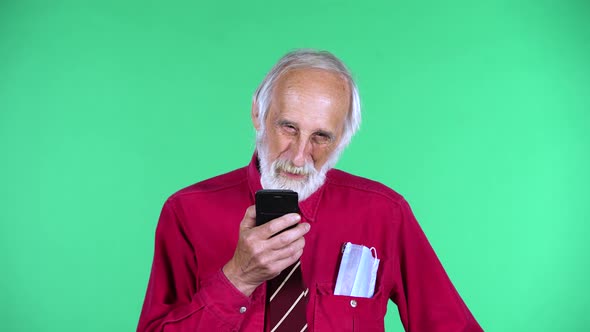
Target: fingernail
[(307, 226), (296, 217)]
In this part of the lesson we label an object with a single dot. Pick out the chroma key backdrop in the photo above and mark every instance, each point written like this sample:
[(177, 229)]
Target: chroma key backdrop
[(476, 111)]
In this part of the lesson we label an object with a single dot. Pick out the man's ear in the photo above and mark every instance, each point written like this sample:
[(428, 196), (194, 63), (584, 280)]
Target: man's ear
[(255, 115)]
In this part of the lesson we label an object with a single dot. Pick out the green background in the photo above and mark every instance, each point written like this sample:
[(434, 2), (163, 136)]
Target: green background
[(475, 111)]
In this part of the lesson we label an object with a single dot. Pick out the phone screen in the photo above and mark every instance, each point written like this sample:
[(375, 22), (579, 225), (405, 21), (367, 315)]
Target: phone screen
[(271, 204)]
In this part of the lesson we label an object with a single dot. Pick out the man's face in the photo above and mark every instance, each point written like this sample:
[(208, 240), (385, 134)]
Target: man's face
[(303, 130)]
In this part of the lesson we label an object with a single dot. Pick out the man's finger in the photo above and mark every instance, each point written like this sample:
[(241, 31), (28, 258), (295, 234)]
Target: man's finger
[(276, 225), (282, 264), (249, 220), (286, 238), (289, 250)]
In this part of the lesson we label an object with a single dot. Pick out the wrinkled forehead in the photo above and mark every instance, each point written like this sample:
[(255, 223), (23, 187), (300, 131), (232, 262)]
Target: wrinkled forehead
[(319, 80), (315, 91)]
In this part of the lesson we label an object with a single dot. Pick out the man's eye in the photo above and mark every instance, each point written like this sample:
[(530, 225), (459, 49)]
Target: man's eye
[(321, 139), (290, 129)]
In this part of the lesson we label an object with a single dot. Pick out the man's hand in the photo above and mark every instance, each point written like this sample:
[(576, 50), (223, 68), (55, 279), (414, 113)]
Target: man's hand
[(259, 256)]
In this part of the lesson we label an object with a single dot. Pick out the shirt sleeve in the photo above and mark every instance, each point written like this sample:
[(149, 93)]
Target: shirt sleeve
[(427, 300), (175, 299)]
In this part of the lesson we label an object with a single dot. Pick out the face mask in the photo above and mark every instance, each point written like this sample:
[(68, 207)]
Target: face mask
[(358, 271)]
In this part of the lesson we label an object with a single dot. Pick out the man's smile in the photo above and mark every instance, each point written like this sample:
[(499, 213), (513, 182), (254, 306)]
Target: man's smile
[(293, 176)]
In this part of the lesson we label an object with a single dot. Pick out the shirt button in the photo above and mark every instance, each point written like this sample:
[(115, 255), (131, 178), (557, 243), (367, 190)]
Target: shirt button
[(242, 310), (353, 303)]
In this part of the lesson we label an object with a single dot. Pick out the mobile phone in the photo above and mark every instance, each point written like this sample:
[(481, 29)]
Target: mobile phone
[(274, 203)]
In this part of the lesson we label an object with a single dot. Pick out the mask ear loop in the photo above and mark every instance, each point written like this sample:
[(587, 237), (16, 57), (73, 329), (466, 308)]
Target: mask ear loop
[(373, 279)]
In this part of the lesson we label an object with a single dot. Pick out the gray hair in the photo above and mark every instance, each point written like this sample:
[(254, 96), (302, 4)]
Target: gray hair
[(310, 59)]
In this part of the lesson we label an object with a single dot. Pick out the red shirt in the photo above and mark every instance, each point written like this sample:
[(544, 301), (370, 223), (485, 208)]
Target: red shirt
[(198, 231)]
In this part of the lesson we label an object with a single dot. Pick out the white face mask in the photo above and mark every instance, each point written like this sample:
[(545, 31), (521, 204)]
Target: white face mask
[(358, 271)]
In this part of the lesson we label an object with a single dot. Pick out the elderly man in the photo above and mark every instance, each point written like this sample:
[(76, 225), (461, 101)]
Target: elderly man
[(214, 269)]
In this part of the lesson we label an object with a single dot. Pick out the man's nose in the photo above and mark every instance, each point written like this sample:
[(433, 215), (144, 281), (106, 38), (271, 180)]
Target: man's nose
[(303, 149)]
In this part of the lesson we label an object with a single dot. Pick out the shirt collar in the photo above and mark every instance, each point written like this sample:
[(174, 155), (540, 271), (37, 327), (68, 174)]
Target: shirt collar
[(308, 207)]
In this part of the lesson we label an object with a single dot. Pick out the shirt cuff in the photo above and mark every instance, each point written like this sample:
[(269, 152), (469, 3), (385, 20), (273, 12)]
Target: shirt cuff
[(224, 300)]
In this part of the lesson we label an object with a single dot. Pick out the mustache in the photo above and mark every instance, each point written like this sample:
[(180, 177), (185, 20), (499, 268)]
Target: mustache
[(286, 165)]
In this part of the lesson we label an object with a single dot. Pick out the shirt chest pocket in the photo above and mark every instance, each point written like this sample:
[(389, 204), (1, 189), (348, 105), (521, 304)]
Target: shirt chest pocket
[(348, 313)]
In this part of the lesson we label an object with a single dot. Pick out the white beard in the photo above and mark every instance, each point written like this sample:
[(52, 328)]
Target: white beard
[(270, 171)]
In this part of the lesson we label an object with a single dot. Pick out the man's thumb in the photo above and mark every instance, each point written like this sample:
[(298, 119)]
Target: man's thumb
[(249, 220)]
